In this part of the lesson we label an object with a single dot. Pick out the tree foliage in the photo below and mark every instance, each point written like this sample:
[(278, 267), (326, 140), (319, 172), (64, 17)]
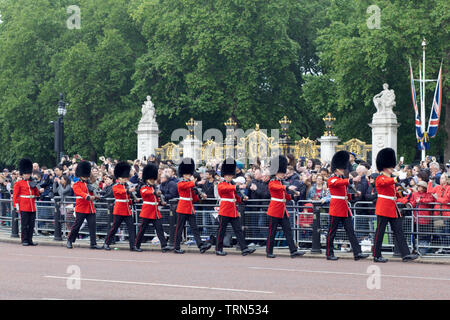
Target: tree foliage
[(254, 61)]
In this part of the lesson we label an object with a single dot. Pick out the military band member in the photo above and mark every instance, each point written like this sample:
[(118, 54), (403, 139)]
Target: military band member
[(339, 211), (228, 213), (187, 191), (122, 207), (277, 212), (24, 195), (150, 212), (386, 208), (84, 205)]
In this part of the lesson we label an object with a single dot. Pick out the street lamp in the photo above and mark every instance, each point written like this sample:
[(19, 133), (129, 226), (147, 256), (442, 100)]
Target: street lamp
[(59, 129)]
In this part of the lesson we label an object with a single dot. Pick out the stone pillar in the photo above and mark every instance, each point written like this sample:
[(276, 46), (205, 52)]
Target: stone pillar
[(328, 141), (384, 133), (328, 147), (384, 122), (192, 148), (148, 131)]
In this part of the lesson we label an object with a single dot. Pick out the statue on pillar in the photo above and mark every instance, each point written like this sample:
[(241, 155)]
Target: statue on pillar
[(148, 111), (384, 101)]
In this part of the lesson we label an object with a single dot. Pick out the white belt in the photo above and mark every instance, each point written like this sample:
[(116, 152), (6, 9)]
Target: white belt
[(122, 200), (339, 197), (229, 200), (28, 197), (276, 199), (387, 197), (187, 199), (152, 203), (78, 197)]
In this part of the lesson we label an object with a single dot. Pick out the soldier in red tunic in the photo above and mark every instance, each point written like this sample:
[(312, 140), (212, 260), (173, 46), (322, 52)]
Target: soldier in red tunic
[(277, 212), (228, 213), (84, 205), (339, 211), (386, 209), (25, 192), (187, 191), (150, 212), (122, 207)]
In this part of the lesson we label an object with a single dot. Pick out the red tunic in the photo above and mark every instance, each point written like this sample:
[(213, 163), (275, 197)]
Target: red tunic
[(25, 196), (228, 208), (150, 206), (185, 193), (338, 203), (421, 200), (278, 198), (81, 193), (123, 201), (386, 207), (443, 197)]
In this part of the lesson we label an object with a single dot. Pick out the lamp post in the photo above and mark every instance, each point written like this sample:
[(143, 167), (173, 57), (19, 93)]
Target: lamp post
[(59, 128), (285, 138)]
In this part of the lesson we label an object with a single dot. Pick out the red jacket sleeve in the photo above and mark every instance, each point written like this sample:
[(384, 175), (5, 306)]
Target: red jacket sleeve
[(16, 193), (385, 181), (78, 192), (335, 182)]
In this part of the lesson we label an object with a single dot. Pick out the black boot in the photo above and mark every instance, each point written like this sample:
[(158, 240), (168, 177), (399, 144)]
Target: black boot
[(270, 255), (221, 253), (380, 259), (410, 257), (106, 247), (205, 247), (69, 244), (297, 254), (179, 251), (247, 251), (332, 258), (361, 256)]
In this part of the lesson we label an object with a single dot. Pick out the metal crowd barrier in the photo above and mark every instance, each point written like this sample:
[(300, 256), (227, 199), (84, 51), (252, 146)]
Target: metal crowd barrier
[(424, 231)]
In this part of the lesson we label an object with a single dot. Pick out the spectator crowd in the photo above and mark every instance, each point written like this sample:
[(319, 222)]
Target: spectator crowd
[(422, 185)]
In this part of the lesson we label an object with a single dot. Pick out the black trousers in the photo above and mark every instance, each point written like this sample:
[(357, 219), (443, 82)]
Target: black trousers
[(172, 223), (181, 221), (27, 220), (348, 227), (237, 228), (286, 226), (91, 221), (399, 237), (159, 231), (117, 221)]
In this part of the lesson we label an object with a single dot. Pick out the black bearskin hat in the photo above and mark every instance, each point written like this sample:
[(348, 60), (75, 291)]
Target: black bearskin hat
[(25, 166), (122, 170), (150, 172), (228, 167), (278, 165), (386, 159), (187, 166), (340, 160), (83, 169)]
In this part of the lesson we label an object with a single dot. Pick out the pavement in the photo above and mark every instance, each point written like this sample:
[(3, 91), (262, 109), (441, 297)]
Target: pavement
[(260, 251), (51, 272)]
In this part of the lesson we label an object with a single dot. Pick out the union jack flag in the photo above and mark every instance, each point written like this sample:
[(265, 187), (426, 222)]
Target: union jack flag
[(433, 123), (419, 133)]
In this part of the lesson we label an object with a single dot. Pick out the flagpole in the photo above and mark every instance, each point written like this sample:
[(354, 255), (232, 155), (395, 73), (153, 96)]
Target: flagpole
[(422, 107)]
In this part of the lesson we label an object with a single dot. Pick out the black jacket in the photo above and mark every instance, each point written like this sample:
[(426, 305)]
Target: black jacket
[(169, 189)]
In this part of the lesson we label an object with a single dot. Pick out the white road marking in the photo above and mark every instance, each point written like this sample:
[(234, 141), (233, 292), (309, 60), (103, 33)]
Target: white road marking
[(350, 273), (162, 285), (84, 258)]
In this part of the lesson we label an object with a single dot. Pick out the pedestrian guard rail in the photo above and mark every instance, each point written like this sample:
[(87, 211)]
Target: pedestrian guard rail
[(427, 230)]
